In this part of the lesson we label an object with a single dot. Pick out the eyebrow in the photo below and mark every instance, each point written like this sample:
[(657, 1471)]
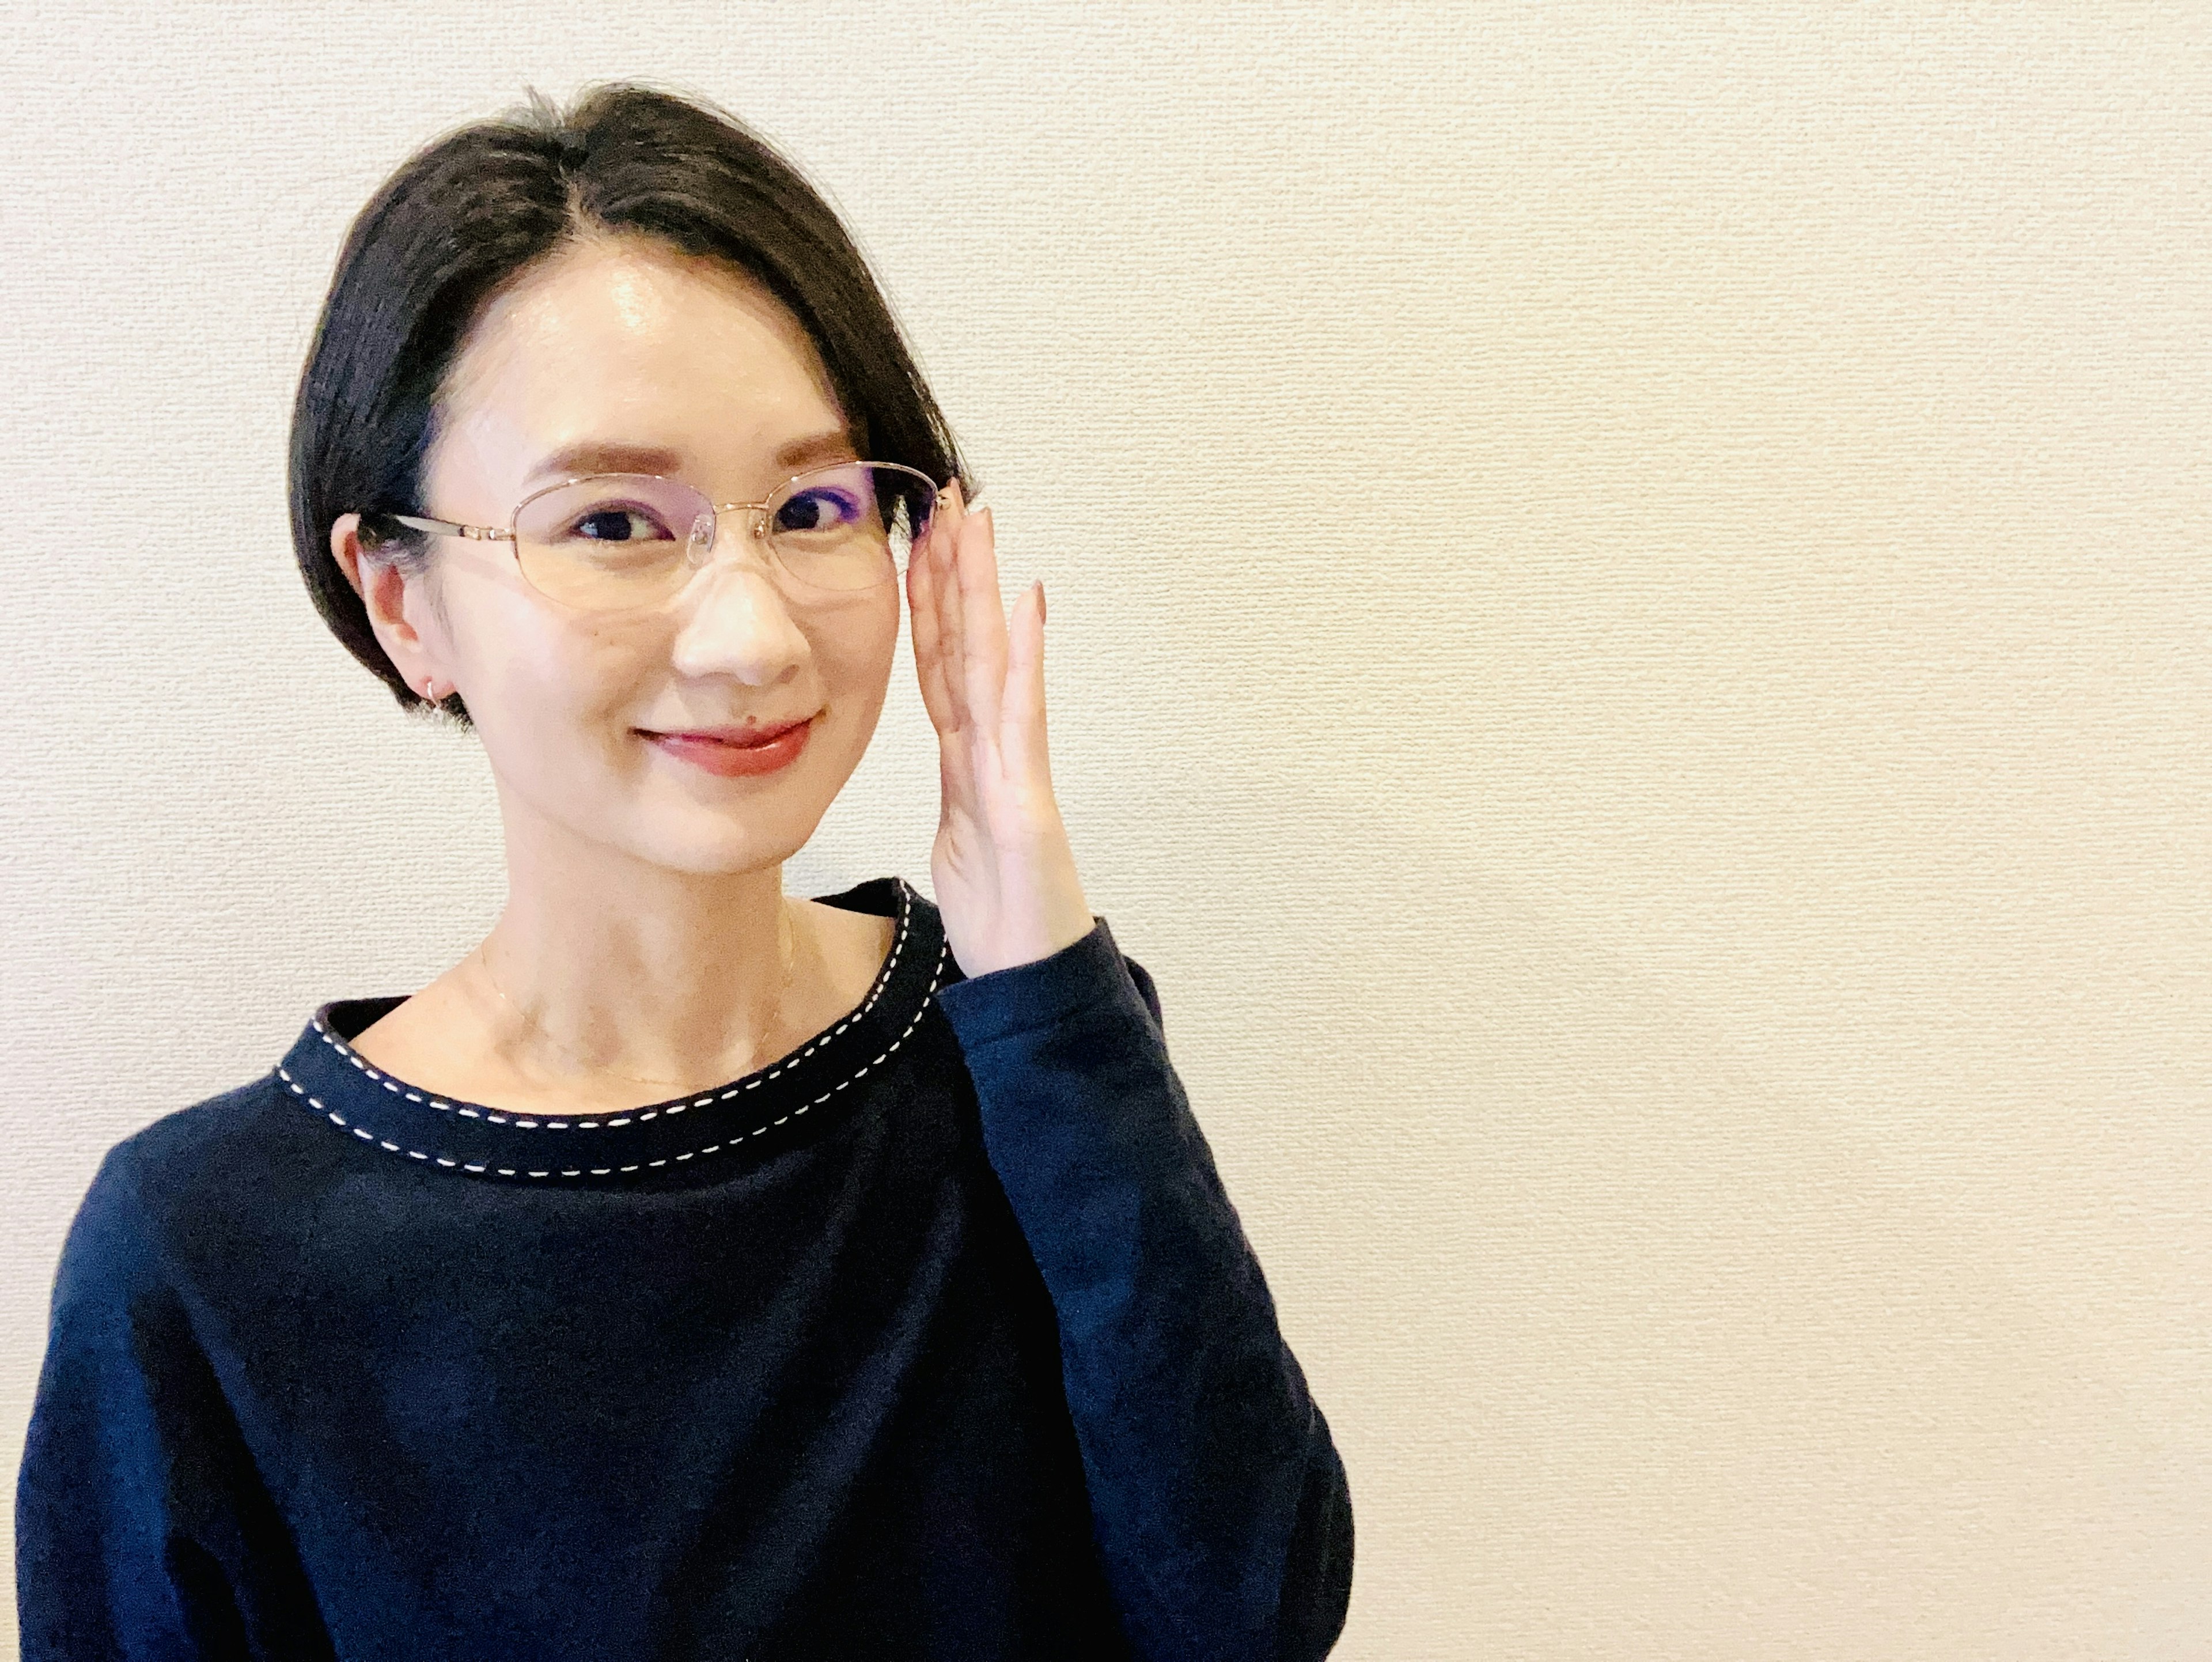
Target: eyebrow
[(609, 456)]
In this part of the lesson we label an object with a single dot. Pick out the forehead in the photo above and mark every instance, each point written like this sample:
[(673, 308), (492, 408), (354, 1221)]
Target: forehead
[(623, 340)]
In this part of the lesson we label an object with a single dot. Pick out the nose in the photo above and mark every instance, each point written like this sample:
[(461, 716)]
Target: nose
[(734, 616)]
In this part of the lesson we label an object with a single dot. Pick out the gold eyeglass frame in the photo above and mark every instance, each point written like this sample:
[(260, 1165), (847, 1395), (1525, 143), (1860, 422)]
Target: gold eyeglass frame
[(714, 511)]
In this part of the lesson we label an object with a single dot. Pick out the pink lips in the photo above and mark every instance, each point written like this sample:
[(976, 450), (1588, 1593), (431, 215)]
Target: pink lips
[(731, 752)]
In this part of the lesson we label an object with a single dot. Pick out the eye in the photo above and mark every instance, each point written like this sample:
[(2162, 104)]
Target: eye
[(619, 523), (821, 507)]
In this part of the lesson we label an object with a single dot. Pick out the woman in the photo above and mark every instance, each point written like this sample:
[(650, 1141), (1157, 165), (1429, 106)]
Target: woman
[(689, 1271)]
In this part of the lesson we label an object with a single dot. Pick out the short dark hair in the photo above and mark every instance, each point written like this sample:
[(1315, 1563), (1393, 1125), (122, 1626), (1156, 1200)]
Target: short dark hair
[(464, 217)]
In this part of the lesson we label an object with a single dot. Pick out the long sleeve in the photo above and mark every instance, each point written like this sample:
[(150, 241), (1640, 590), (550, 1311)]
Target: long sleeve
[(141, 1529), (1219, 1504)]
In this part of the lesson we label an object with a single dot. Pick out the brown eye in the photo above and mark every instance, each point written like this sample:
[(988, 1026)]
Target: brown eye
[(620, 524), (822, 508)]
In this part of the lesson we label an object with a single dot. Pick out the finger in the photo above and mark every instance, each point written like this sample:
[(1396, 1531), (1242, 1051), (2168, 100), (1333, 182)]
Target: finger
[(1025, 715), (926, 614), (956, 760), (983, 616), (952, 608)]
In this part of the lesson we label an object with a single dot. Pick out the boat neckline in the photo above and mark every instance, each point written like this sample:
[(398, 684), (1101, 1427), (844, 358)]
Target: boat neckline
[(324, 1074)]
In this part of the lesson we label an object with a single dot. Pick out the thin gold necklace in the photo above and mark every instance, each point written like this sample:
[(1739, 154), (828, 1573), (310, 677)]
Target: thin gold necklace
[(786, 940)]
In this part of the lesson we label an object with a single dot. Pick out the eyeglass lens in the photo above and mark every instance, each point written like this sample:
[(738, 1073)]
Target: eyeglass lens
[(618, 541)]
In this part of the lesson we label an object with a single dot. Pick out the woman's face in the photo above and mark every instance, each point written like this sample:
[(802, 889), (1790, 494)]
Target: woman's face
[(620, 354)]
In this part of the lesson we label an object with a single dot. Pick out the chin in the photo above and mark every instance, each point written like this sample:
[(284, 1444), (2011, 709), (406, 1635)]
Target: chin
[(709, 843), (707, 858)]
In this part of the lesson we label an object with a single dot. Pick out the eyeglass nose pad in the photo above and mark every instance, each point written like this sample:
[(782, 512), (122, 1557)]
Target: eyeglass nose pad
[(702, 539)]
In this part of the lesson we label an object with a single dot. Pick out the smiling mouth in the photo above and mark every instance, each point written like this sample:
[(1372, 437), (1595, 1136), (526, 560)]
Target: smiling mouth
[(748, 738), (771, 749)]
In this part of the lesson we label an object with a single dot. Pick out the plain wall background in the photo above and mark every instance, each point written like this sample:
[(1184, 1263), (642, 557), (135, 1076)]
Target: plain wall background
[(1629, 625)]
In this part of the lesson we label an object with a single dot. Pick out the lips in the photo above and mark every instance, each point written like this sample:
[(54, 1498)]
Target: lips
[(753, 751), (747, 737)]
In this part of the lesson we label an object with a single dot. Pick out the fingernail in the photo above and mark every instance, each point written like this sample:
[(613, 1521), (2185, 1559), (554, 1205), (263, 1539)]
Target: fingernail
[(1040, 583)]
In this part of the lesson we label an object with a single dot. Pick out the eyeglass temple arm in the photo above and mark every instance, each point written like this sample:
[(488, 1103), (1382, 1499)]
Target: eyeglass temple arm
[(448, 528)]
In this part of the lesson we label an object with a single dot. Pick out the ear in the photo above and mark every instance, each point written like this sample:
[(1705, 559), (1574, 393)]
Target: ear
[(394, 602)]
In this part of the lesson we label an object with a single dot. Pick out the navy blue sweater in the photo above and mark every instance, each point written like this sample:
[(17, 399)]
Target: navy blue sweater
[(937, 1338)]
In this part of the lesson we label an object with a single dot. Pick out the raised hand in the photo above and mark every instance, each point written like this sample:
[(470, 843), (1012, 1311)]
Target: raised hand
[(1002, 866)]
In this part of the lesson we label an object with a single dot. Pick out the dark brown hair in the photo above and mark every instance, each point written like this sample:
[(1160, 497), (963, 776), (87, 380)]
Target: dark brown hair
[(465, 215)]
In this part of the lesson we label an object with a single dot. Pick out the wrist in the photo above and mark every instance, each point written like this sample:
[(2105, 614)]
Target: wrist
[(1046, 937)]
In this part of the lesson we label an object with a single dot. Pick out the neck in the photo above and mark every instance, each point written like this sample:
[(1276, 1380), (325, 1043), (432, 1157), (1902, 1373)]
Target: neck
[(653, 975)]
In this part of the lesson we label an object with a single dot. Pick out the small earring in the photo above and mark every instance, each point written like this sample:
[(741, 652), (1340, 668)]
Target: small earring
[(427, 685)]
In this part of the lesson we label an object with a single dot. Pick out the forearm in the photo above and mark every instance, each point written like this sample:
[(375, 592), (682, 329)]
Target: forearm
[(1221, 1505)]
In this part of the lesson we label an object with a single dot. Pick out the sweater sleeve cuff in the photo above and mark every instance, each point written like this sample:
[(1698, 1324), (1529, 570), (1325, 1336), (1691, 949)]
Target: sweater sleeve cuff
[(1083, 974)]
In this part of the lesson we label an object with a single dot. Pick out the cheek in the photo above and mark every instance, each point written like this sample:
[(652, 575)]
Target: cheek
[(854, 652), (541, 684)]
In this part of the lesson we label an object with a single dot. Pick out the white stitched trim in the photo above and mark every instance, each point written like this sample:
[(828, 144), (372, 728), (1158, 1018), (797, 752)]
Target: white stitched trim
[(594, 1122), (936, 974)]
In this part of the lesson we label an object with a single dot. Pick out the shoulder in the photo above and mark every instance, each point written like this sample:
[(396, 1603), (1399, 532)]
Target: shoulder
[(231, 1141), (188, 1178)]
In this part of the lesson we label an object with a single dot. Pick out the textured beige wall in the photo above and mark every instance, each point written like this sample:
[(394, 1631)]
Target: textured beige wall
[(1630, 612)]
